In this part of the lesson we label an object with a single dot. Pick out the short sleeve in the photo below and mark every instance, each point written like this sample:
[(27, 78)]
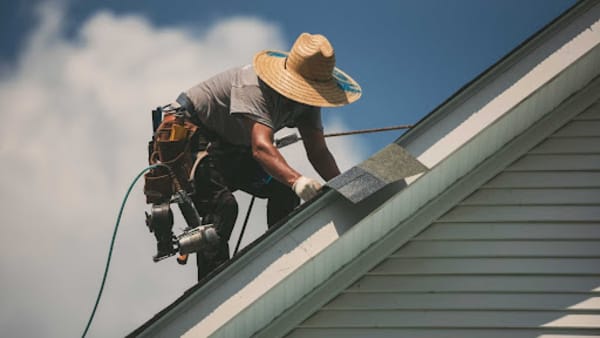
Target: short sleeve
[(248, 101)]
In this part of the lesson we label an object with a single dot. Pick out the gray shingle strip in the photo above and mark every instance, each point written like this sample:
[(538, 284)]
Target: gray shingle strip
[(356, 184), (389, 165), (393, 163)]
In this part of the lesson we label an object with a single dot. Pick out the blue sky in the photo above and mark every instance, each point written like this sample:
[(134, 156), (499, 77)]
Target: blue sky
[(79, 79), (409, 56)]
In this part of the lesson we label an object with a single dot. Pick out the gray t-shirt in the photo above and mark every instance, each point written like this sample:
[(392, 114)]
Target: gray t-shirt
[(222, 102)]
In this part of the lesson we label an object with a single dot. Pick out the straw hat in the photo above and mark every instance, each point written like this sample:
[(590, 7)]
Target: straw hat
[(307, 74)]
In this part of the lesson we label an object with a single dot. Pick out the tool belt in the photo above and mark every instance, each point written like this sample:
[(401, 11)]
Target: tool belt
[(171, 146)]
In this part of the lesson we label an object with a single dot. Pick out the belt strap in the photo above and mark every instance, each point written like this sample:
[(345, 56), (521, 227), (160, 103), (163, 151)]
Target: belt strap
[(190, 112)]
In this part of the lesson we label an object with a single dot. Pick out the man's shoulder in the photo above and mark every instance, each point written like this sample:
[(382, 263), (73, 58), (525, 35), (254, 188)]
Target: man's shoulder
[(245, 77)]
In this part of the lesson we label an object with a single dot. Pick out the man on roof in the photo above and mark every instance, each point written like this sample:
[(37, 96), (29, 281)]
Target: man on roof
[(237, 113)]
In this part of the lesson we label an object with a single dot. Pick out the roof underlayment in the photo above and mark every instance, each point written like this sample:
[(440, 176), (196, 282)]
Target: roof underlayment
[(329, 243)]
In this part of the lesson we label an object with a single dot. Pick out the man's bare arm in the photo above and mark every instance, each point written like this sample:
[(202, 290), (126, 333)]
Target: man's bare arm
[(268, 155)]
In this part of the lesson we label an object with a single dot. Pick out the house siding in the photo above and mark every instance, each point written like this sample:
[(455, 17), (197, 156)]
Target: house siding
[(519, 257)]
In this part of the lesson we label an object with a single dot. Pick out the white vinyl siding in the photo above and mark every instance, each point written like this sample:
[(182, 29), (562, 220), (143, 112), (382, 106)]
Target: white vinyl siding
[(520, 257)]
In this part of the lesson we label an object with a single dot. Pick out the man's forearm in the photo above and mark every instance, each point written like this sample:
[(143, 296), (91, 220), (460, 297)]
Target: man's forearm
[(273, 162), (267, 155)]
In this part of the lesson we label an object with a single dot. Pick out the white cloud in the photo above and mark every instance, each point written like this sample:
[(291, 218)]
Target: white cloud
[(73, 136)]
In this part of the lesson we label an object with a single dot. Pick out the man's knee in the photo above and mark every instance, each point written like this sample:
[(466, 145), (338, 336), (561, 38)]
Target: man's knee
[(226, 210)]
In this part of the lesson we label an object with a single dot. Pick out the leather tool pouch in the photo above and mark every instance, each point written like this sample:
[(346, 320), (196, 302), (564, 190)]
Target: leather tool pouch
[(169, 146)]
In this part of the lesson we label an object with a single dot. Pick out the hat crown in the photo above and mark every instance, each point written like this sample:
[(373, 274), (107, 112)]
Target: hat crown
[(312, 57), (307, 73)]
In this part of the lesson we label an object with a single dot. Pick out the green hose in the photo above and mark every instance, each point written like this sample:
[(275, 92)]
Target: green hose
[(112, 243)]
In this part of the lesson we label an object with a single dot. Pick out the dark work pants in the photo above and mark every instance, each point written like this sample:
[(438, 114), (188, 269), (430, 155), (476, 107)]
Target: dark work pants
[(223, 171)]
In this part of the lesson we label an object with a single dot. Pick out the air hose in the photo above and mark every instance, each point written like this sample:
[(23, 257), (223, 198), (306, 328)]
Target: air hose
[(112, 243)]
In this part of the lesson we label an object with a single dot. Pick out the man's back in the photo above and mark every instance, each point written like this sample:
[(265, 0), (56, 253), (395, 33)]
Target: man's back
[(223, 99)]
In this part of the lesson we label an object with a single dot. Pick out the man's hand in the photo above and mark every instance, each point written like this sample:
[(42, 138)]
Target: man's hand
[(306, 188)]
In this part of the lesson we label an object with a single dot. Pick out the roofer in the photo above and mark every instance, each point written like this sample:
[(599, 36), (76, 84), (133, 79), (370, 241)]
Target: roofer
[(236, 114)]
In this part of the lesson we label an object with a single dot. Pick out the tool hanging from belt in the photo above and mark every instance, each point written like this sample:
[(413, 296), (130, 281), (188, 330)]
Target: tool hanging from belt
[(172, 182)]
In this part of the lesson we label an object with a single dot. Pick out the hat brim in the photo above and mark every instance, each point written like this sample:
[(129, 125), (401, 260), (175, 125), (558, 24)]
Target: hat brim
[(340, 90)]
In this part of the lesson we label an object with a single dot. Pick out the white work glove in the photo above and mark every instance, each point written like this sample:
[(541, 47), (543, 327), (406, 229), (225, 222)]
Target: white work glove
[(306, 188)]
